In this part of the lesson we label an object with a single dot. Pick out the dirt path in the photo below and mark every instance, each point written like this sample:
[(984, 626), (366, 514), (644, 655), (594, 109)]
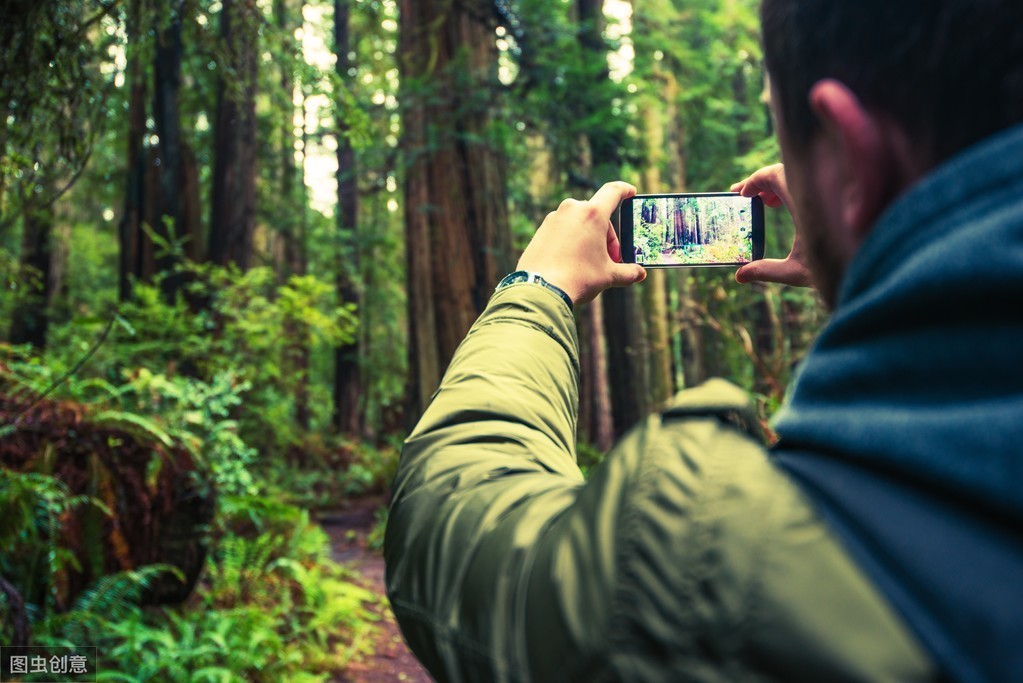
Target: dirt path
[(391, 659)]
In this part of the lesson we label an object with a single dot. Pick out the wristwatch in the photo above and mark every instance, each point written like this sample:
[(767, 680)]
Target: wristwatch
[(534, 278)]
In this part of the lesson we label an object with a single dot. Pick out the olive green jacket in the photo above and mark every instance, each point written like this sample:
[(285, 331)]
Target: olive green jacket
[(686, 556)]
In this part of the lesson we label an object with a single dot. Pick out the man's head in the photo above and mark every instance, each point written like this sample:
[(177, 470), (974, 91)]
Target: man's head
[(870, 94)]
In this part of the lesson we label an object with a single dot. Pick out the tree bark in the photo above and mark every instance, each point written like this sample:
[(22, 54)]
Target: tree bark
[(458, 243), (130, 228), (30, 319), (689, 338), (291, 217), (597, 425), (232, 215), (347, 408), (170, 222), (605, 364)]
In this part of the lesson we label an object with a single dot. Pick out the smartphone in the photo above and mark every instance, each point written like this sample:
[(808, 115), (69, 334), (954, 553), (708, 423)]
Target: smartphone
[(701, 229)]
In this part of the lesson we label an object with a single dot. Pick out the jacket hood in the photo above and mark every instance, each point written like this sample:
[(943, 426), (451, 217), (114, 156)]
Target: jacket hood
[(920, 370)]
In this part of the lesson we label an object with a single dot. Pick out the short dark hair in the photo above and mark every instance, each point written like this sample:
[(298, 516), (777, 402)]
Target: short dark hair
[(950, 72)]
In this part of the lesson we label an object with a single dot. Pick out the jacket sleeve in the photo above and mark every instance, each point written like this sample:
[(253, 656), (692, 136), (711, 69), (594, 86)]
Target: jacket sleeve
[(502, 563)]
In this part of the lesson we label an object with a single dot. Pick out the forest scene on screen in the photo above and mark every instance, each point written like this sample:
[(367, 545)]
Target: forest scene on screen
[(674, 231)]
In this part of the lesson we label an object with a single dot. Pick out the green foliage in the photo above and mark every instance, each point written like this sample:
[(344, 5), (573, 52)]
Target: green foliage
[(326, 478), (588, 457), (113, 597), (52, 98), (220, 370), (375, 537), (35, 556), (190, 369), (707, 57), (272, 605), (165, 410), (199, 416)]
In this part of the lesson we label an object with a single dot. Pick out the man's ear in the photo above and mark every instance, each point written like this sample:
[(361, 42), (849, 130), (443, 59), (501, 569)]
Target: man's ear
[(866, 171)]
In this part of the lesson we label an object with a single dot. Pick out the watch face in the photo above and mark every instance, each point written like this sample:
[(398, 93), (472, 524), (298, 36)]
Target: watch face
[(535, 278), (512, 278)]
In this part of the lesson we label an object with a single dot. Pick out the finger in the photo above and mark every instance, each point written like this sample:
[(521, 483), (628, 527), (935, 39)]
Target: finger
[(614, 247), (781, 271), (610, 195), (624, 274), (749, 188), (768, 182)]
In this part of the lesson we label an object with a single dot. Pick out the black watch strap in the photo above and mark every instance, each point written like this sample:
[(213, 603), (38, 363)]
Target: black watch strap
[(534, 278)]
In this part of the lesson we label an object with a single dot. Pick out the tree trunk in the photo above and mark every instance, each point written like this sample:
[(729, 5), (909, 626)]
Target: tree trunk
[(60, 256), (290, 219), (660, 381), (597, 422), (30, 319), (689, 339), (613, 376), (626, 351), (232, 214), (130, 229), (347, 408), (458, 243), (597, 425), (170, 222)]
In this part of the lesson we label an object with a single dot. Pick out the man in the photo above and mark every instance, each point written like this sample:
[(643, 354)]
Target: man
[(880, 539)]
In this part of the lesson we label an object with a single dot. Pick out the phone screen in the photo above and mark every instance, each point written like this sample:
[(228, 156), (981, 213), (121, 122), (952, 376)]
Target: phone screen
[(692, 229)]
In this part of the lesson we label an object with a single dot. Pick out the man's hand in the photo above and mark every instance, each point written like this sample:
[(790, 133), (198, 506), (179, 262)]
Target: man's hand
[(769, 184), (576, 247)]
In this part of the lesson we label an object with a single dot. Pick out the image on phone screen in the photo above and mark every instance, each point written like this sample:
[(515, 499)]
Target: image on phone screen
[(681, 230)]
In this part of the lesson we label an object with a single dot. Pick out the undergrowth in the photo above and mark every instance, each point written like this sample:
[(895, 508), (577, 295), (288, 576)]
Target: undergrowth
[(271, 605), (217, 387)]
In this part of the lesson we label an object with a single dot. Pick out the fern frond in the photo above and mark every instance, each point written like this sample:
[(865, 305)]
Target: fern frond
[(107, 676), (112, 592), (104, 390), (136, 425)]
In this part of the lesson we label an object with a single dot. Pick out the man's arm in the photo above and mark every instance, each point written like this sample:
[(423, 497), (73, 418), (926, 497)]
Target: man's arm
[(504, 565), (488, 470), (491, 524)]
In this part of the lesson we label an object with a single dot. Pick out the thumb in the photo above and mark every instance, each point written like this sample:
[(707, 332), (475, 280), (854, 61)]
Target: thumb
[(624, 274), (782, 271), (748, 273)]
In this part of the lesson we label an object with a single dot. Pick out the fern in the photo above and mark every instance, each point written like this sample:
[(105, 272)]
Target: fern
[(214, 674), (105, 676), (81, 390), (32, 507), (113, 591), (140, 427), (109, 600)]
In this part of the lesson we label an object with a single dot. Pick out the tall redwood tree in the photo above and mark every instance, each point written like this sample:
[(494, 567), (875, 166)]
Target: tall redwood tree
[(347, 406), (457, 237), (233, 210)]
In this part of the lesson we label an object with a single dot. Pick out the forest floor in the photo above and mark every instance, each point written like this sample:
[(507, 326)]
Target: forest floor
[(391, 660)]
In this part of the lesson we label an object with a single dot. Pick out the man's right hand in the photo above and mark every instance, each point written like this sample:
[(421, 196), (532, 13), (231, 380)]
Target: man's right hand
[(769, 184), (577, 250)]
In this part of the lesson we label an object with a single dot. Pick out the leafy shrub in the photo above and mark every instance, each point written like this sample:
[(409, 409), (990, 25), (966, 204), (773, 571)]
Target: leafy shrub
[(34, 561), (272, 606), (199, 415), (330, 475)]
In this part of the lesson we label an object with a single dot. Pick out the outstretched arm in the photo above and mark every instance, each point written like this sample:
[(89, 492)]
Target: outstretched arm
[(495, 546)]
